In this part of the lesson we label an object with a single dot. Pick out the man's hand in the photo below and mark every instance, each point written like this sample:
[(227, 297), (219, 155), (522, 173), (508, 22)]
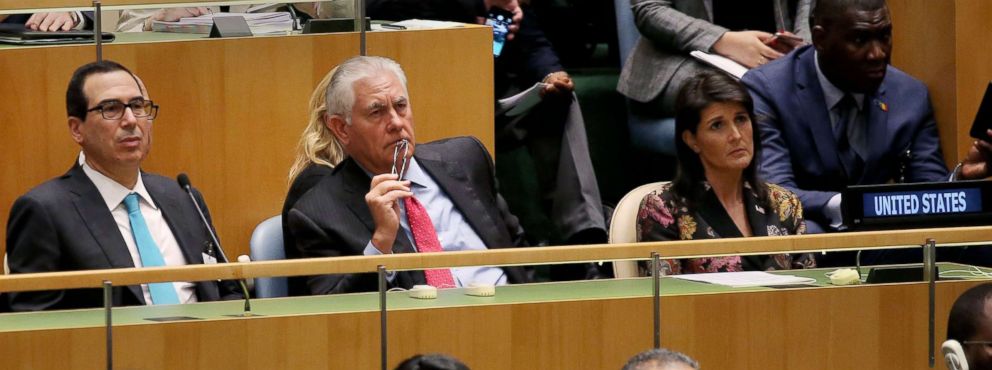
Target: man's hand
[(511, 6), (383, 201), (559, 84), (976, 164), (746, 47), (174, 14), (50, 22)]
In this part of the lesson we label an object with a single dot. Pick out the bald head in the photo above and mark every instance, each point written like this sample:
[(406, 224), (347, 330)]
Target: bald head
[(661, 359)]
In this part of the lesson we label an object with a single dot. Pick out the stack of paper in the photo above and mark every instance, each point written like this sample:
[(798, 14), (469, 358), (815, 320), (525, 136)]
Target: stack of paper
[(724, 64), (746, 279), (522, 102), (426, 24), (259, 23)]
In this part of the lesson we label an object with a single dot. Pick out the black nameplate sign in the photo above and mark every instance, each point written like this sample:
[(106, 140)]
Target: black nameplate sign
[(918, 205), (333, 25), (230, 26)]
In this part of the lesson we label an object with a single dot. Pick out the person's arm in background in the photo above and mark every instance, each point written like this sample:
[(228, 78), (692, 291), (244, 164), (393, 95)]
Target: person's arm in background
[(927, 164), (327, 9), (59, 21), (532, 58), (138, 20), (661, 23)]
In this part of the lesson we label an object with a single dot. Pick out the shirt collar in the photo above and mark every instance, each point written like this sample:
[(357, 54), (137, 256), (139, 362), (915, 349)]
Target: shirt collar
[(112, 192), (831, 93)]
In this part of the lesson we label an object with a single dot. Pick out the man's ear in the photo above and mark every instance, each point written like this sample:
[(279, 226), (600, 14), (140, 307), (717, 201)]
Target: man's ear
[(817, 33), (338, 127), (75, 129)]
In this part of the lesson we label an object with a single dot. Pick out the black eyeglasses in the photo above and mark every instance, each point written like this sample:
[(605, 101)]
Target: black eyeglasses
[(115, 109)]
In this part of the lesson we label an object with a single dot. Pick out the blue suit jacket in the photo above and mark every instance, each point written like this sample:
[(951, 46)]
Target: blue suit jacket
[(799, 150)]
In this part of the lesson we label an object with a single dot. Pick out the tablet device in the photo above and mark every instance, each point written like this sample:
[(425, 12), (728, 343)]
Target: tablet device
[(983, 119)]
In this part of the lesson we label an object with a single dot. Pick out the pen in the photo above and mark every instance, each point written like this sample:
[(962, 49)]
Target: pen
[(393, 26)]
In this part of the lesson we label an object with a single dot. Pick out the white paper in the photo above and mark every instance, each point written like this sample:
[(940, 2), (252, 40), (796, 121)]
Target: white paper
[(746, 279), (259, 23), (522, 102), (724, 64), (424, 24)]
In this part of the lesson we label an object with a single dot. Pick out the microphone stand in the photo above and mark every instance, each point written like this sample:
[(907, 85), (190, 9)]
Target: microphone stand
[(213, 236)]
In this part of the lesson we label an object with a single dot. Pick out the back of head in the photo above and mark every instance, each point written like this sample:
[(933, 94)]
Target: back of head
[(435, 361), (76, 102), (340, 96), (660, 359), (969, 313)]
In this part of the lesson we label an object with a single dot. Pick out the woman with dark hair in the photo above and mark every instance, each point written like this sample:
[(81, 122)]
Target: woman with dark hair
[(716, 192)]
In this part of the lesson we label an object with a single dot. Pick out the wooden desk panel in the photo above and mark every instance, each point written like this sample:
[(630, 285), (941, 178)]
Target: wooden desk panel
[(233, 110), (863, 327)]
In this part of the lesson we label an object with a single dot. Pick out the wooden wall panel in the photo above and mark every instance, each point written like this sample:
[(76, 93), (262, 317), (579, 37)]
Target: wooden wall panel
[(233, 110), (923, 41)]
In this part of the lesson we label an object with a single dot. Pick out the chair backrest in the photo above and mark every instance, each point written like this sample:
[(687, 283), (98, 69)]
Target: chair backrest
[(266, 245), (627, 32), (623, 225)]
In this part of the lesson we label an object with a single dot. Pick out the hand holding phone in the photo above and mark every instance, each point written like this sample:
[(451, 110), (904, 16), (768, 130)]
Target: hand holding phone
[(785, 42), (500, 20)]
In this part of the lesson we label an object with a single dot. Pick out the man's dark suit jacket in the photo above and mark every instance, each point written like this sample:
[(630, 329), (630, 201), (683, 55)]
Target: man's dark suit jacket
[(332, 219), (64, 225), (799, 150)]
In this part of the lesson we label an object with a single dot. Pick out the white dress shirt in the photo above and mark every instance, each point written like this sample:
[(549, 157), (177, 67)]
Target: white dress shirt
[(113, 194)]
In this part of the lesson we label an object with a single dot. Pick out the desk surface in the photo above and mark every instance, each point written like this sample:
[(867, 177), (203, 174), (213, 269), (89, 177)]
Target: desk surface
[(368, 302)]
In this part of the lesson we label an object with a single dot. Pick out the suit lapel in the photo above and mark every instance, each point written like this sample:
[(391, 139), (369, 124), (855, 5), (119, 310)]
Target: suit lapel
[(356, 183), (810, 96), (878, 139), (713, 213), (757, 219), (456, 185), (94, 214)]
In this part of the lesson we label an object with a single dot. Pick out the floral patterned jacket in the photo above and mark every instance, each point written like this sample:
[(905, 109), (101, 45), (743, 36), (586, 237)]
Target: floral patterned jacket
[(664, 216)]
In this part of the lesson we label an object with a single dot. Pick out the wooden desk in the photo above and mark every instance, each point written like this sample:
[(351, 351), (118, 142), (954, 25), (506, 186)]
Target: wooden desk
[(581, 325), (233, 109)]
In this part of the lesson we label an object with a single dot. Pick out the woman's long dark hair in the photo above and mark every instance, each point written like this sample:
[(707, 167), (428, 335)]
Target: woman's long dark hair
[(695, 95)]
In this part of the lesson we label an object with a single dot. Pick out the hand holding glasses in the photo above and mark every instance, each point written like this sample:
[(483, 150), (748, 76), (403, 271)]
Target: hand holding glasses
[(401, 151), (115, 109)]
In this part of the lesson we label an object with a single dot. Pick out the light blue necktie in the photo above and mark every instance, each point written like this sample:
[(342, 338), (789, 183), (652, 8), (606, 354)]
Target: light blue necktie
[(162, 293)]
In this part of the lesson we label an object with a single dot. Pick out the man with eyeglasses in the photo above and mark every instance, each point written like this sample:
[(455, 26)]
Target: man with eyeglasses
[(105, 212)]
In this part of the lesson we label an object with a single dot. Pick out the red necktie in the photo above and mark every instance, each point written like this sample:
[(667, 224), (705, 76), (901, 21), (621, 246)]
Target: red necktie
[(425, 237)]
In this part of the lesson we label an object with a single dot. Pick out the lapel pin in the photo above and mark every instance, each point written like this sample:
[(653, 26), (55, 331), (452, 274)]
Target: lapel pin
[(881, 105)]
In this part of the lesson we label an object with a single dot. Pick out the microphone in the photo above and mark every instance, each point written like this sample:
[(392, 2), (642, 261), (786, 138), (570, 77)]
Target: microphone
[(184, 183)]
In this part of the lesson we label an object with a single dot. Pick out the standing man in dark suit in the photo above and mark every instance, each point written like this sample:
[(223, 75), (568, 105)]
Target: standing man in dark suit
[(836, 114), (105, 212), (444, 200)]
